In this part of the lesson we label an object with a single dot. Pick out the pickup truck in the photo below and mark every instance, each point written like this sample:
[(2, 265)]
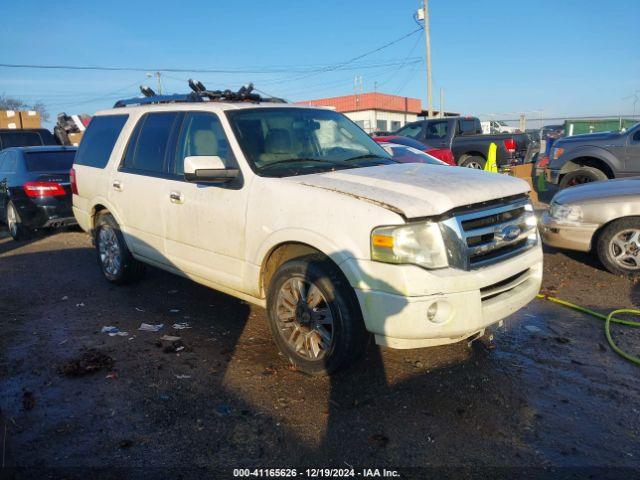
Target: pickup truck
[(463, 136), (594, 156), (299, 211)]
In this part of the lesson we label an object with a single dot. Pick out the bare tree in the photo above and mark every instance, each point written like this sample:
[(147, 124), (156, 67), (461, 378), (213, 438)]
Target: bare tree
[(9, 103)]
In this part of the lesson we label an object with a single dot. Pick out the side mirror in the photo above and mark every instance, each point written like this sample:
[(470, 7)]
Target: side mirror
[(208, 169)]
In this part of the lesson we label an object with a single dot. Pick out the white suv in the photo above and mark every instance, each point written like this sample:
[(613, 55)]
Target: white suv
[(297, 210)]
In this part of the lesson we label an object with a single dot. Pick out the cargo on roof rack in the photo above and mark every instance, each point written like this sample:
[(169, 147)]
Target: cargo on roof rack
[(199, 94)]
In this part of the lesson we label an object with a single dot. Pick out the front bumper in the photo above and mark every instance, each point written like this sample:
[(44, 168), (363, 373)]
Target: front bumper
[(395, 299), (569, 235)]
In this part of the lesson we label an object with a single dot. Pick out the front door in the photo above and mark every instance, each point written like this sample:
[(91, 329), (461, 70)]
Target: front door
[(205, 223), (632, 152)]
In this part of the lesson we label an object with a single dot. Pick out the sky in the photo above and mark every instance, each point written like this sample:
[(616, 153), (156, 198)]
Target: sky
[(494, 59)]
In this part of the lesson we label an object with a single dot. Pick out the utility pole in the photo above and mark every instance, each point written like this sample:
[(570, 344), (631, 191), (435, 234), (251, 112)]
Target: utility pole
[(159, 83), (427, 36), (157, 75)]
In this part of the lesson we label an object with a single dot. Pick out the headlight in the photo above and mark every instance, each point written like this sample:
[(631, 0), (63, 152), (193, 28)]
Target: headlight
[(572, 213), (557, 151), (419, 244)]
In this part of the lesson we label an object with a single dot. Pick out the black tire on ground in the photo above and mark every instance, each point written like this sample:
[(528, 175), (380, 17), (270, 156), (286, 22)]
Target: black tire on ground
[(16, 229), (473, 162), (348, 332), (128, 269), (605, 249), (582, 175)]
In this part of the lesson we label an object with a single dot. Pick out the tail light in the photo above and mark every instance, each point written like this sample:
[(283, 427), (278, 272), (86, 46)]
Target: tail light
[(510, 145), (444, 154), (43, 189), (74, 184)]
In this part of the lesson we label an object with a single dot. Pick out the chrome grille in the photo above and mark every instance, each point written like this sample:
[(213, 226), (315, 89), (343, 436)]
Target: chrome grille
[(489, 235)]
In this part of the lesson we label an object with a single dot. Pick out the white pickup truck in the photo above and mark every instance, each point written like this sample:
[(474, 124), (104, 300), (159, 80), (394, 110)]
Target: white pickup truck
[(297, 210)]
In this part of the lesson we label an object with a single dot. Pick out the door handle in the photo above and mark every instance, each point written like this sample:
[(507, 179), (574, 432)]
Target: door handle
[(117, 185), (176, 197)]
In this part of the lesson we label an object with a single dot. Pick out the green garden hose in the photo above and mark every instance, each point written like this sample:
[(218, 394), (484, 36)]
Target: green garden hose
[(608, 319)]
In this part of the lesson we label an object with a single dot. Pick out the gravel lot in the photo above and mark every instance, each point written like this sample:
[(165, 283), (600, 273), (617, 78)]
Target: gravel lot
[(547, 393)]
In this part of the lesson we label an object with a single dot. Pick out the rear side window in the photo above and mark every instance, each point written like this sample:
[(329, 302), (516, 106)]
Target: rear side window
[(469, 126), (149, 146), (19, 139), (439, 129), (98, 140), (49, 161)]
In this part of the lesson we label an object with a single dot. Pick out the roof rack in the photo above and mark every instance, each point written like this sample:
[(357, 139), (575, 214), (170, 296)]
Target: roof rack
[(199, 94)]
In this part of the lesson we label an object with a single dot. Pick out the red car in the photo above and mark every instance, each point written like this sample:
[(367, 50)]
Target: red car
[(444, 154)]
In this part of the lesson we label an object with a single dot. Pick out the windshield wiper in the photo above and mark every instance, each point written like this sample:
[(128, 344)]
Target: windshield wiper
[(294, 160), (368, 155)]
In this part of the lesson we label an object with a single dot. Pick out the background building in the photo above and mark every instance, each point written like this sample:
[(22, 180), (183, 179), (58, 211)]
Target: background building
[(374, 112)]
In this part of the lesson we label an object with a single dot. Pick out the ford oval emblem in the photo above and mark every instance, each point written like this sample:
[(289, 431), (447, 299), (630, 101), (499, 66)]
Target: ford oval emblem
[(510, 232)]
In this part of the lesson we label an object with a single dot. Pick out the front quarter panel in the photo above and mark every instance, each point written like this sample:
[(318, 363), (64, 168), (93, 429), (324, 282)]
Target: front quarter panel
[(281, 211), (565, 162), (603, 212)]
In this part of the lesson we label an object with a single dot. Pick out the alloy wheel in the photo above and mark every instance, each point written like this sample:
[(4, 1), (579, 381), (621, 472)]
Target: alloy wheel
[(12, 220), (304, 318), (109, 250), (624, 248)]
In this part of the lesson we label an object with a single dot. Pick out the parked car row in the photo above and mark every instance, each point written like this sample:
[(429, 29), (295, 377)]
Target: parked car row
[(298, 210)]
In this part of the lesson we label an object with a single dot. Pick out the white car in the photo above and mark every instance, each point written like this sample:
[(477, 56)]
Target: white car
[(297, 210), (493, 126)]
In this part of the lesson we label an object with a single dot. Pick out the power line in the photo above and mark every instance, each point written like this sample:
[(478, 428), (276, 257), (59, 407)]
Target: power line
[(265, 70), (351, 60)]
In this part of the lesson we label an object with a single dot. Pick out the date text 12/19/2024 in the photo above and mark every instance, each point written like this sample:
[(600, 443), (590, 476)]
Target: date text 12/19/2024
[(315, 473)]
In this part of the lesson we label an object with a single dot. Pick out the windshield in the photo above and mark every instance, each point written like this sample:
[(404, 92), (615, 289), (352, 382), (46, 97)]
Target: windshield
[(49, 161), (297, 141)]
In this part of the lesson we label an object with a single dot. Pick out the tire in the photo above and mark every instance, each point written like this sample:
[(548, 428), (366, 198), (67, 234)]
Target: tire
[(114, 257), (302, 337), (14, 224), (475, 162), (582, 175), (618, 247)]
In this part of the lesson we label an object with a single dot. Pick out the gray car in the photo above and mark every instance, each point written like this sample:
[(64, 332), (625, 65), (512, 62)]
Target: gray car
[(602, 217), (595, 156)]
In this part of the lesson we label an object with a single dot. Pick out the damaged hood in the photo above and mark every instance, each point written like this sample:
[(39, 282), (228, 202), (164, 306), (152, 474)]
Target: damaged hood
[(417, 190)]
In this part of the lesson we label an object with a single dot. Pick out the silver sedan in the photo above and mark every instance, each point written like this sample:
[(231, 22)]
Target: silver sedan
[(602, 217)]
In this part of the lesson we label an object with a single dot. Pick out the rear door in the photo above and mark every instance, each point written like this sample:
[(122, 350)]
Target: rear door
[(139, 187), (8, 177)]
